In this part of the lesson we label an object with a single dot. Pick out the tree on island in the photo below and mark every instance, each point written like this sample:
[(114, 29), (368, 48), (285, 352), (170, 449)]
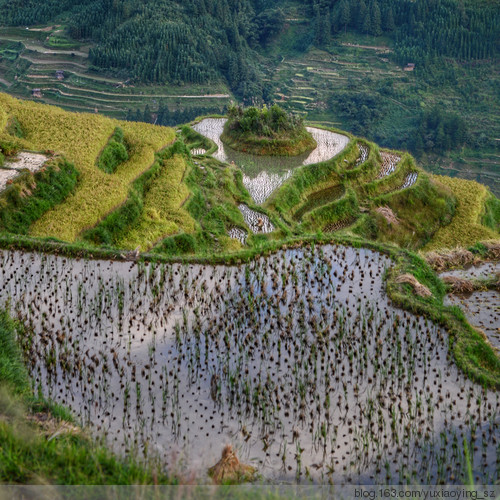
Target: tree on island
[(266, 131)]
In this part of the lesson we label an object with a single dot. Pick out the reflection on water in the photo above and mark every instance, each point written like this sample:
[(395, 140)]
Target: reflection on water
[(298, 359), (482, 307), (277, 168)]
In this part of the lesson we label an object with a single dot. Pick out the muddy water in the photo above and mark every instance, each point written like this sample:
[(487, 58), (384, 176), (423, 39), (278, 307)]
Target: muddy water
[(298, 360), (22, 161), (482, 308), (277, 169)]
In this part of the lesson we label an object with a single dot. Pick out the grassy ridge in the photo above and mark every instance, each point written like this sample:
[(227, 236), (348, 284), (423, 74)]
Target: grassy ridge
[(465, 228), (421, 211), (162, 213), (471, 352), (32, 195), (80, 138), (345, 208), (308, 179)]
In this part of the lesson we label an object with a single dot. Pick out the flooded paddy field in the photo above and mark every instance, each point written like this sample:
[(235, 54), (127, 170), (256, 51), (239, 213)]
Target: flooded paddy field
[(22, 161), (481, 307), (262, 175), (27, 161), (6, 176), (298, 360)]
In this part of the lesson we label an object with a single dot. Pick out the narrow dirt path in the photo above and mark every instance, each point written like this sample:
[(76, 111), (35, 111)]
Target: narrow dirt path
[(369, 47)]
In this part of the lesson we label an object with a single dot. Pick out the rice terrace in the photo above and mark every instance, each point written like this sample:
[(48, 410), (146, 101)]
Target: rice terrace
[(182, 293)]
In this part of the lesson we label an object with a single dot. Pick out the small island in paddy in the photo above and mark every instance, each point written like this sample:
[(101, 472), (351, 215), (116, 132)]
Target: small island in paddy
[(267, 131)]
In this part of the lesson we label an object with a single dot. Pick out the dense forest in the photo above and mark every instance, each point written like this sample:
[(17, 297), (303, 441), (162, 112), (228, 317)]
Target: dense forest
[(235, 42), (159, 41), (198, 41), (421, 30)]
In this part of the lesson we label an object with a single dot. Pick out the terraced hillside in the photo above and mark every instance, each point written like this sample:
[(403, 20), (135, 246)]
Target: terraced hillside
[(174, 198), (237, 301), (80, 139), (30, 59), (355, 84)]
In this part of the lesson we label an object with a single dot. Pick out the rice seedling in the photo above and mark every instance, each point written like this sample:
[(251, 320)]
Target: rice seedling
[(389, 164), (289, 362)]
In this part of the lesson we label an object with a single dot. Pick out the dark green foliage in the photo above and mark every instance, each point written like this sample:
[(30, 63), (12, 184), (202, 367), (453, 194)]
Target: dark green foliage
[(266, 131), (14, 128), (13, 373), (159, 41), (364, 109), (30, 196), (439, 131), (491, 216), (268, 24), (263, 122), (114, 153), (421, 30)]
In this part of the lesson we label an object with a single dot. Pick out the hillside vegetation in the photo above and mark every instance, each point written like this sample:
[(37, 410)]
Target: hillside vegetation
[(80, 139), (271, 132), (172, 201), (337, 62), (164, 200)]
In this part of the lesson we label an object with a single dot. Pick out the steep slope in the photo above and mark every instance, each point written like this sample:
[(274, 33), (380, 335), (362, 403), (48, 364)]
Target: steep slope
[(80, 139), (127, 185)]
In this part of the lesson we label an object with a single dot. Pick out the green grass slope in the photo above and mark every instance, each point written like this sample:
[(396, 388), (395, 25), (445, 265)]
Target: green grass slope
[(154, 195)]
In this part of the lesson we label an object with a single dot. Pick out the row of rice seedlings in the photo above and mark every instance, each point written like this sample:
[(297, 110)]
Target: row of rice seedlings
[(410, 179), (364, 151), (264, 184), (238, 234), (389, 164), (338, 225), (298, 359), (256, 221)]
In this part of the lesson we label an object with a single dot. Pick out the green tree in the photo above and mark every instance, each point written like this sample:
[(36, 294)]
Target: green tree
[(345, 14), (376, 19)]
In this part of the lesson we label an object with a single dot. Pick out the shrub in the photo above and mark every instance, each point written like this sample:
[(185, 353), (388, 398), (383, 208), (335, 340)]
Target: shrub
[(30, 196), (114, 153)]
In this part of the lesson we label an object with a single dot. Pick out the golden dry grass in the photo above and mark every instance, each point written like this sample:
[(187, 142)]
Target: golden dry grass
[(162, 215), (3, 119), (418, 288), (80, 137), (465, 228)]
